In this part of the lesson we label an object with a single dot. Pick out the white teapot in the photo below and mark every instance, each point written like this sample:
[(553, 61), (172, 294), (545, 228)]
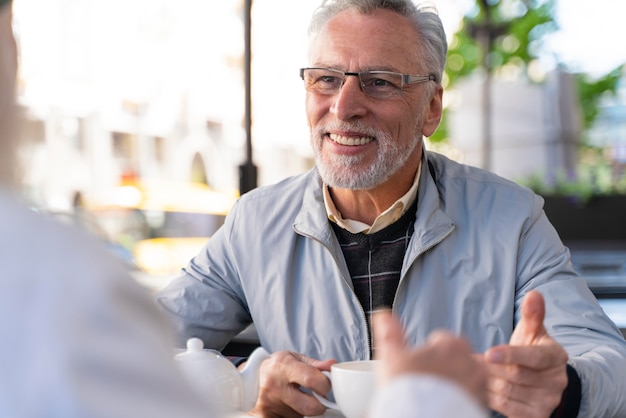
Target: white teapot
[(217, 380)]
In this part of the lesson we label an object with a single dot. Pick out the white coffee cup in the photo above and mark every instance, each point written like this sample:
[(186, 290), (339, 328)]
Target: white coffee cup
[(353, 385)]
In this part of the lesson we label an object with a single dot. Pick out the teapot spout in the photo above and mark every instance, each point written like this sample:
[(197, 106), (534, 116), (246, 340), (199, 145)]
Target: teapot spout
[(250, 378)]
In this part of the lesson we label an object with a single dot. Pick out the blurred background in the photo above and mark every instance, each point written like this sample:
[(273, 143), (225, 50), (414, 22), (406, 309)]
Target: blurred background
[(145, 119)]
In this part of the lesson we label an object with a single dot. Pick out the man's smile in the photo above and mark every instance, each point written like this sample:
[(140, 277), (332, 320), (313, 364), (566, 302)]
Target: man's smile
[(345, 140)]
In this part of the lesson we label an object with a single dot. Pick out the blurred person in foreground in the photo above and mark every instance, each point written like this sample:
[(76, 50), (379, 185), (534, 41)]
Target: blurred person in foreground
[(381, 221), (81, 339)]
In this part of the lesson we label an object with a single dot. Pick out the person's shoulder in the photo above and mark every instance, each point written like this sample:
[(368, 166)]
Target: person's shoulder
[(32, 234), (285, 190), (274, 204), (22, 224), (448, 171)]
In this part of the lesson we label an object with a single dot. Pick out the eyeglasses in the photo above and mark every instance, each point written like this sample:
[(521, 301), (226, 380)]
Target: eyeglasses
[(376, 84)]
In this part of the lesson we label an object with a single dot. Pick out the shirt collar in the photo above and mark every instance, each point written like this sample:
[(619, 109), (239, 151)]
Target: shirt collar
[(389, 216)]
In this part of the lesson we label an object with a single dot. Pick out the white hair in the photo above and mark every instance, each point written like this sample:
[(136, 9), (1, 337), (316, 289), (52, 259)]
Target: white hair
[(431, 45)]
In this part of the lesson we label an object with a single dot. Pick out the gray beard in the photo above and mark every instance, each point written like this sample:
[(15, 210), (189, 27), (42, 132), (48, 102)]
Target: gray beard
[(343, 171)]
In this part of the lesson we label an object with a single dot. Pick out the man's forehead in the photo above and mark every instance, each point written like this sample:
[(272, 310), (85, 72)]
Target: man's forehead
[(366, 41)]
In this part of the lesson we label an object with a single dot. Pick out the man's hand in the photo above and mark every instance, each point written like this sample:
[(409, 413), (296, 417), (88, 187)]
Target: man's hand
[(444, 355), (527, 377), (280, 379)]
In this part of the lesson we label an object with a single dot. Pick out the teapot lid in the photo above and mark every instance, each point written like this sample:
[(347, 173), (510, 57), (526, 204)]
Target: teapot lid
[(195, 351)]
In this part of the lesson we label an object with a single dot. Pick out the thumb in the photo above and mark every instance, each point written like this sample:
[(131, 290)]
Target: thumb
[(387, 333), (530, 328)]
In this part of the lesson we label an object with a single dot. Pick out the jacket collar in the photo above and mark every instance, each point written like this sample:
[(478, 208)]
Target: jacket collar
[(431, 224)]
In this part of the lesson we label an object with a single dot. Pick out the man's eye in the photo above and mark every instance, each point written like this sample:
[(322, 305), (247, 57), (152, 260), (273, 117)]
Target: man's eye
[(379, 82), (329, 79)]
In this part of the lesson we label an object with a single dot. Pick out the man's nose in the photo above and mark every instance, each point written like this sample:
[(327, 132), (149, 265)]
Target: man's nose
[(350, 100)]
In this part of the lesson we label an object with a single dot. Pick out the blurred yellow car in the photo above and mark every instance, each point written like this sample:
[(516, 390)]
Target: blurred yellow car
[(163, 224)]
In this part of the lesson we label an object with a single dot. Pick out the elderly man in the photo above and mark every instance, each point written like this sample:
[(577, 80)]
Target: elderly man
[(380, 222), (81, 339)]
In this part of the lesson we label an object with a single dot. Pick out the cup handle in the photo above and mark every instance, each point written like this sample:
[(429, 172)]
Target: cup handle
[(323, 400)]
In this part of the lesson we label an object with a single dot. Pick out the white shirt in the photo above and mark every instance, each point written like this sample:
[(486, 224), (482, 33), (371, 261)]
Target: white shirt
[(424, 396), (386, 218)]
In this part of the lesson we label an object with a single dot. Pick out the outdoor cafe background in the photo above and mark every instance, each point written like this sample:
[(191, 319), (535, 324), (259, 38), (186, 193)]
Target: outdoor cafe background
[(123, 98)]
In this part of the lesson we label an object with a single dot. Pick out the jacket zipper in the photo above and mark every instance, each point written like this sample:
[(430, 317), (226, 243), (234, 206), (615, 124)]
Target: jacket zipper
[(346, 283)]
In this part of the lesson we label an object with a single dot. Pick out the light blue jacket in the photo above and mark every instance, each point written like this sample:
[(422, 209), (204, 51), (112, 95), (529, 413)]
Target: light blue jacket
[(480, 244)]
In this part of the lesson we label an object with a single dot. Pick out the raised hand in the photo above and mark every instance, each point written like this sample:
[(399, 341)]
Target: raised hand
[(443, 355), (527, 377)]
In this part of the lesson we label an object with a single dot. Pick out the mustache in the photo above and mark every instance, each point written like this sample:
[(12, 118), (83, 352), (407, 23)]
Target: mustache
[(357, 126)]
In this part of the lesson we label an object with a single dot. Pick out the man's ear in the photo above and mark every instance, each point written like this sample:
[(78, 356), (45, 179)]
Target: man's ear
[(433, 111)]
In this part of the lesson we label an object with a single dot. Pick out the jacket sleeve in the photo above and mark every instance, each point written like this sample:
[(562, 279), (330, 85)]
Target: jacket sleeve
[(206, 301), (596, 347)]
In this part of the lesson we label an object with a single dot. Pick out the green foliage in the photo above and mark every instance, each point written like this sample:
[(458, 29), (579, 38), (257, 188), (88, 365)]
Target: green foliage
[(527, 31), (595, 176), (441, 134), (513, 30), (516, 29), (591, 91), (464, 57)]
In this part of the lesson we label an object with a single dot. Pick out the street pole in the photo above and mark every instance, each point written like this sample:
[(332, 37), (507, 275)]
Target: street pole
[(247, 170), (485, 40), (485, 33)]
